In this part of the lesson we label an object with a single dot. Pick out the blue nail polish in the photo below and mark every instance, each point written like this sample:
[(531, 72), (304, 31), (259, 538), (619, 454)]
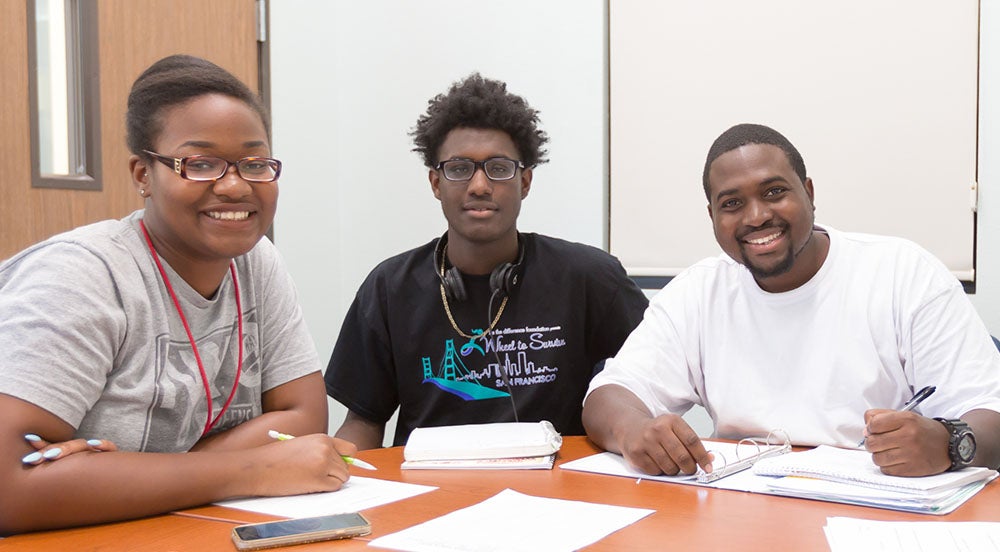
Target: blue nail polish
[(52, 453), (32, 458), (94, 442), (32, 437)]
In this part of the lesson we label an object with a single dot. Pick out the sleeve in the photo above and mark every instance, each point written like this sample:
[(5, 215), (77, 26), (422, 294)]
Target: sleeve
[(618, 311), (361, 372), (61, 327), (950, 348), (653, 363), (288, 351)]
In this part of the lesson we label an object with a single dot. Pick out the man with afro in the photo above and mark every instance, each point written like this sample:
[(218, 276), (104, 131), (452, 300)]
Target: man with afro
[(484, 323)]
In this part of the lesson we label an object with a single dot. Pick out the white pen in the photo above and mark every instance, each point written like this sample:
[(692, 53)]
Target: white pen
[(349, 459)]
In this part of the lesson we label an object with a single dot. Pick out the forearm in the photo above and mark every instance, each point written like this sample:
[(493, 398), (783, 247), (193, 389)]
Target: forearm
[(97, 487), (297, 407), (985, 424), (607, 411), (253, 433), (364, 433), (91, 487)]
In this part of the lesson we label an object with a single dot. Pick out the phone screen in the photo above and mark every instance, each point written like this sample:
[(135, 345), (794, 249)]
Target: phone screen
[(299, 526)]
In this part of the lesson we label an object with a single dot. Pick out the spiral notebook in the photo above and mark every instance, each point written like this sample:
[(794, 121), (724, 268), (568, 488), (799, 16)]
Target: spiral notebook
[(855, 467), (849, 476)]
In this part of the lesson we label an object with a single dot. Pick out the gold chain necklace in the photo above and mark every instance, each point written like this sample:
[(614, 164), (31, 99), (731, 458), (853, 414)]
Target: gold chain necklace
[(447, 309)]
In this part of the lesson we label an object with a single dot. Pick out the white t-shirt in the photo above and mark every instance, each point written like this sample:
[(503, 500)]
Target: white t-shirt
[(89, 332), (881, 319)]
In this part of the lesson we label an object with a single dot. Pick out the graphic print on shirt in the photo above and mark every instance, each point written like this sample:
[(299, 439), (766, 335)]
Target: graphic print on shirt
[(477, 370), (179, 399)]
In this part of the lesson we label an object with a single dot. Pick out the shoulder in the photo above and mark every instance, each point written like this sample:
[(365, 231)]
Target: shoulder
[(710, 272), (891, 256), (573, 265), (110, 244), (704, 283), (263, 256), (860, 242), (418, 258), (559, 246), (403, 268), (262, 271), (84, 274), (565, 253)]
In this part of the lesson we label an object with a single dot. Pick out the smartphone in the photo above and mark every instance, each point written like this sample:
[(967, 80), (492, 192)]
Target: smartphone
[(270, 534)]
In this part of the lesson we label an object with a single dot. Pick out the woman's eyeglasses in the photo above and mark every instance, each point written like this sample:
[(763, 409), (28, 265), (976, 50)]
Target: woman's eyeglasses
[(202, 168)]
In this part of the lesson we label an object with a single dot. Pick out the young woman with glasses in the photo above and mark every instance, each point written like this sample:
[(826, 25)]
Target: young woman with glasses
[(152, 355)]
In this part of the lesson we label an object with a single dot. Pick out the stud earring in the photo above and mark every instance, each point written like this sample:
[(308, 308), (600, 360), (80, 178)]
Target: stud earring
[(142, 192)]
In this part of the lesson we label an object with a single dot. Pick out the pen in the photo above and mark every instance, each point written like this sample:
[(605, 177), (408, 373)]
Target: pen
[(350, 460), (912, 403)]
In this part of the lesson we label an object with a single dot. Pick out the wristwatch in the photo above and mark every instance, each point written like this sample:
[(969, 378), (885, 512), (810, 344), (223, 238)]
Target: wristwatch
[(961, 443)]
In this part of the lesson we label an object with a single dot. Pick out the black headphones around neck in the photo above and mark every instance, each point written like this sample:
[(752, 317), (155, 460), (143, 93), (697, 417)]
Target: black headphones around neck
[(503, 279)]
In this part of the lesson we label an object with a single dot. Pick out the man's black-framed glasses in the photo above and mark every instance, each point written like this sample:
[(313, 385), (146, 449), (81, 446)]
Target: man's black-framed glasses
[(203, 168), (496, 168)]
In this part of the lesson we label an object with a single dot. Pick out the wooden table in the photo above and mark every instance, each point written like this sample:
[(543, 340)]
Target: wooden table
[(687, 517)]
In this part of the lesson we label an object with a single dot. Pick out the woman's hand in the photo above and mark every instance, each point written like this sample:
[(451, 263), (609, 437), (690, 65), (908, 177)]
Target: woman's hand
[(305, 464), (48, 452)]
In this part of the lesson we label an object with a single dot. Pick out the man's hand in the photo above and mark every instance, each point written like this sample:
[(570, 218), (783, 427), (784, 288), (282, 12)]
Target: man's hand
[(665, 444), (906, 443), (618, 421)]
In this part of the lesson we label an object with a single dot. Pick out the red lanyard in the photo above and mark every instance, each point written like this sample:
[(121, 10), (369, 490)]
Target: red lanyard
[(209, 423)]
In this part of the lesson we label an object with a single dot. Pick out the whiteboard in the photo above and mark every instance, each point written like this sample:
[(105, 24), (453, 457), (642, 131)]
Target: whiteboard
[(879, 96)]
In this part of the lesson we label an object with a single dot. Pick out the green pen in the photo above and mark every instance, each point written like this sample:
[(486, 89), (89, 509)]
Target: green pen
[(350, 460)]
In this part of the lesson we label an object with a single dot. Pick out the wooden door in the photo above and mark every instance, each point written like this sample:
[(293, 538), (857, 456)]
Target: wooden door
[(132, 35)]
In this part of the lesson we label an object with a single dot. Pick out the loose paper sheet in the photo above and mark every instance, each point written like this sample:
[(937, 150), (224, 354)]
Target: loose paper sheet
[(856, 535), (511, 522), (359, 493)]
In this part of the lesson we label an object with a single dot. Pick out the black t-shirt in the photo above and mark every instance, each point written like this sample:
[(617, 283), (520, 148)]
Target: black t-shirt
[(573, 307)]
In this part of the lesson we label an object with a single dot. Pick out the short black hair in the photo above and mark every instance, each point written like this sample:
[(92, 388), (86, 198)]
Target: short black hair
[(477, 102), (174, 80), (749, 133)]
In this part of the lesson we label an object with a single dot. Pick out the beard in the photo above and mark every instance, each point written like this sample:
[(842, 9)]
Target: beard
[(760, 272)]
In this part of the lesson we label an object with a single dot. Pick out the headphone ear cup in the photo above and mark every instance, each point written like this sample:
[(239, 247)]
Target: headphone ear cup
[(503, 279), (454, 285)]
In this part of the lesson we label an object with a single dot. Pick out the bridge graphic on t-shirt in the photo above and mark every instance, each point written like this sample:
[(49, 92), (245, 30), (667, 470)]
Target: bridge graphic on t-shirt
[(455, 378)]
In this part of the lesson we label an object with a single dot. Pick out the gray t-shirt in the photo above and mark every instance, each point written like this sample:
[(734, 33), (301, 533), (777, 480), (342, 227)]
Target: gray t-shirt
[(88, 332)]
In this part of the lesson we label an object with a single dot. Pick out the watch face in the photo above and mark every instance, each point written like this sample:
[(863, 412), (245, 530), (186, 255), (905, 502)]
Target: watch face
[(966, 447)]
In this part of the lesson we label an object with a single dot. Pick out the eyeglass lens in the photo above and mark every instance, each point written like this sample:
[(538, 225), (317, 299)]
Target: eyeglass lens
[(498, 168), (256, 169)]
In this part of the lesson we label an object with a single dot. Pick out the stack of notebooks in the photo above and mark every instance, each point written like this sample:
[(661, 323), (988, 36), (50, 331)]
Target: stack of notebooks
[(825, 473), (850, 476), (513, 445)]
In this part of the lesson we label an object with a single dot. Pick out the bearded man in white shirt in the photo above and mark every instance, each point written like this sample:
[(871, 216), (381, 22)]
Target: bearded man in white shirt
[(801, 327)]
